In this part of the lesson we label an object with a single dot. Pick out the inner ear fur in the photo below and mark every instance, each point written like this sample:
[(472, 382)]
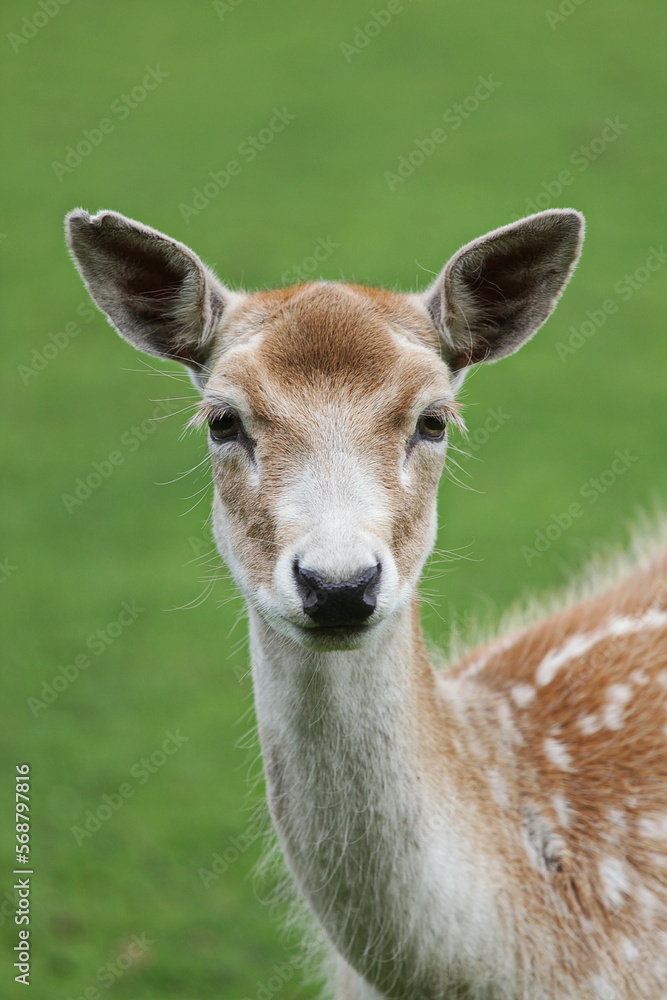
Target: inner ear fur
[(154, 290), (497, 291)]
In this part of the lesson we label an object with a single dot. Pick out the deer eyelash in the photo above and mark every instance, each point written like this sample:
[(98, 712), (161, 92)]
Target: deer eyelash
[(206, 413)]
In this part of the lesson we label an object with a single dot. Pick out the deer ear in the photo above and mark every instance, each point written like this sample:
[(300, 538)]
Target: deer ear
[(155, 291), (497, 291)]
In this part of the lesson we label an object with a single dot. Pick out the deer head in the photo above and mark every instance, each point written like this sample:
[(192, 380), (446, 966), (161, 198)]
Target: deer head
[(327, 405)]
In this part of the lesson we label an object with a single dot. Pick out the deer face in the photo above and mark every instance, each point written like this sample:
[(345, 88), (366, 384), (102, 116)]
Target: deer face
[(327, 405), (327, 413)]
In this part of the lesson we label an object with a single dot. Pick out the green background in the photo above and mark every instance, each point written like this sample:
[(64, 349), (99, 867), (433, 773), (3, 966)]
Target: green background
[(557, 78)]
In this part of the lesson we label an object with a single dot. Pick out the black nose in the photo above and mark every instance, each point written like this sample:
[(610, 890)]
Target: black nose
[(341, 604)]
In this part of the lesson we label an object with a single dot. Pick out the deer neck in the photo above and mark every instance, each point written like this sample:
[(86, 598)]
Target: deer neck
[(354, 745)]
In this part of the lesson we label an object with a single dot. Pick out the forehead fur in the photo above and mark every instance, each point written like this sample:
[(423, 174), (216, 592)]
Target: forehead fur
[(330, 336)]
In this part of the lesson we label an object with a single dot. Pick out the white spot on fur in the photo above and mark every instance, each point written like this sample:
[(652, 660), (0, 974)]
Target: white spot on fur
[(647, 900), (653, 826), (618, 696), (589, 724), (522, 694), (579, 644), (557, 754), (602, 989), (562, 810), (618, 820), (556, 658), (506, 720), (529, 848), (499, 789), (654, 618), (615, 882), (630, 950)]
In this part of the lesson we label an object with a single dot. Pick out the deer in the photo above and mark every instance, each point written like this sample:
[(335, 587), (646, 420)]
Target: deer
[(492, 830)]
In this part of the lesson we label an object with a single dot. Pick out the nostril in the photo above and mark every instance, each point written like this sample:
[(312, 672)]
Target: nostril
[(310, 586), (371, 585), (337, 604)]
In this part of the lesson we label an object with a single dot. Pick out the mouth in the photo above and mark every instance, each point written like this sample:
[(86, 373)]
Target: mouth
[(334, 637)]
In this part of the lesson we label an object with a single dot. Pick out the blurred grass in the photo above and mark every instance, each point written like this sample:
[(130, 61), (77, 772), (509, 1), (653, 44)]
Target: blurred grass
[(134, 540)]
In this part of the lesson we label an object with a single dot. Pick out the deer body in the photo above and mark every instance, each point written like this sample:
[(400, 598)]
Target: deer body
[(494, 832)]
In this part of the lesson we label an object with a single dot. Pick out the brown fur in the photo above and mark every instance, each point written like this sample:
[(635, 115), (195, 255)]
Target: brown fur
[(330, 359), (614, 787)]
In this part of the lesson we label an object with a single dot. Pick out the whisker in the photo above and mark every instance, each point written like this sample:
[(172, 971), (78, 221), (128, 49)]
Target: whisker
[(195, 602), (150, 369), (464, 453), (182, 475), (203, 559), (175, 413), (203, 494), (177, 399), (457, 482), (465, 472)]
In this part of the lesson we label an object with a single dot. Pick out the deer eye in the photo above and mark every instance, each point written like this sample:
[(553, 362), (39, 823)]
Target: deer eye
[(431, 426), (224, 426)]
